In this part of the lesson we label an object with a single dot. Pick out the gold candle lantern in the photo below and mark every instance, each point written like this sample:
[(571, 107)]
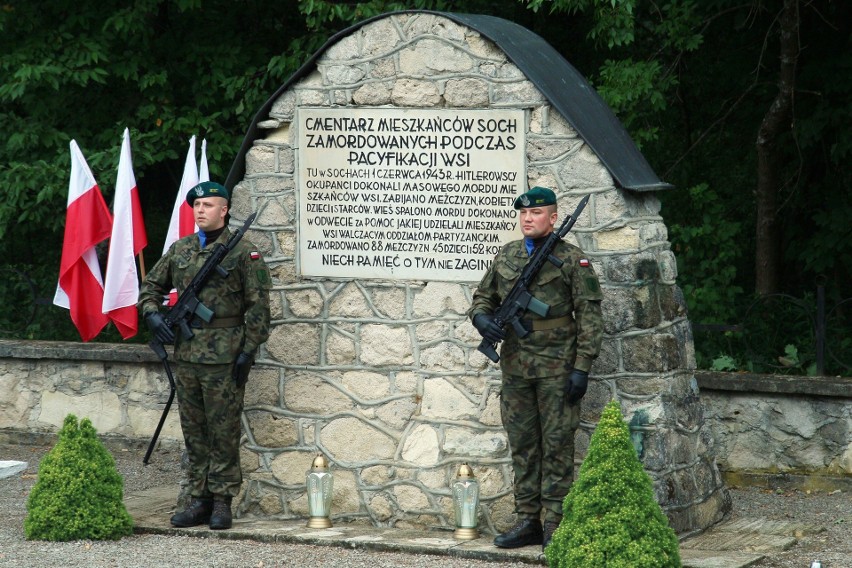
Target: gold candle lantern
[(466, 503), (319, 482)]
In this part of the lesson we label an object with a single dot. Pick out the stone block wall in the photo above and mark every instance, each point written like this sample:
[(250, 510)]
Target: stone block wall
[(770, 431), (781, 430), (122, 389)]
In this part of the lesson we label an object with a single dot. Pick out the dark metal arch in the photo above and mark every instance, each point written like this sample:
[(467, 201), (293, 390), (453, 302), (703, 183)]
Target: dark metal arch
[(563, 86)]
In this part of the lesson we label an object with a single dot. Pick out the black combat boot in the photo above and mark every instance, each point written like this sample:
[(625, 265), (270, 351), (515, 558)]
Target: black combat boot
[(197, 513), (221, 517), (549, 528), (525, 531)]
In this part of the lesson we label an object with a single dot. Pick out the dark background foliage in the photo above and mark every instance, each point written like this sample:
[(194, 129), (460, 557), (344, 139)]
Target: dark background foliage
[(694, 82)]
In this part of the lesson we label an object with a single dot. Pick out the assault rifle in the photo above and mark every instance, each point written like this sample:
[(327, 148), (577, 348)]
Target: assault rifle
[(519, 299), (187, 307)]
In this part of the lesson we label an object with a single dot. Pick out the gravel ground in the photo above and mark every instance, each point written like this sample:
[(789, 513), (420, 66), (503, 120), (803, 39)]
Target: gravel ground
[(833, 547), (831, 511)]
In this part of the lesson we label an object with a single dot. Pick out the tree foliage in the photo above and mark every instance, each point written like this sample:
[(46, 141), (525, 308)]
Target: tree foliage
[(84, 70), (168, 70), (691, 81), (611, 517), (710, 139), (79, 494)]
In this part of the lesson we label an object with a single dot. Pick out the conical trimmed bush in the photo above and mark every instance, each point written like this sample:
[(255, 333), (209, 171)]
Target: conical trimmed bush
[(611, 518), (79, 492)]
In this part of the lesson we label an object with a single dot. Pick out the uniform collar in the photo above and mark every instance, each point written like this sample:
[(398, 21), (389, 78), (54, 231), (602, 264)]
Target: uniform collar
[(205, 238)]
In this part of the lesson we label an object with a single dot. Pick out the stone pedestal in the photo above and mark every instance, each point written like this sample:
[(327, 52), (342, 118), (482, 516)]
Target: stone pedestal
[(8, 468)]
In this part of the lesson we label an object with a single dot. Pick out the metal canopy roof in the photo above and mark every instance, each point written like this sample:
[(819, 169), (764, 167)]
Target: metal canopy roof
[(563, 86)]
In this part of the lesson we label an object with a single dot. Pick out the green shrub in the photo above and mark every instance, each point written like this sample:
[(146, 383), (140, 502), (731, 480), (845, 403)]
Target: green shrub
[(78, 493), (611, 517)]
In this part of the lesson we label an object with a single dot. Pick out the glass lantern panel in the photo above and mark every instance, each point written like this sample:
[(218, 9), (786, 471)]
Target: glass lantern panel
[(465, 503)]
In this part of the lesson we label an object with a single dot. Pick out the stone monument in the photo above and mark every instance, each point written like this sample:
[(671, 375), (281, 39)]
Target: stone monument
[(384, 172)]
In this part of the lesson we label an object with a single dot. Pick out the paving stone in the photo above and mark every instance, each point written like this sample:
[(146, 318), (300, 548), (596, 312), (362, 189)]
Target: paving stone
[(717, 559), (765, 526), (743, 542)]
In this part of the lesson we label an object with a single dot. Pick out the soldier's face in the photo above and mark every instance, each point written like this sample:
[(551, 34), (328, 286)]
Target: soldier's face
[(537, 221), (209, 212)]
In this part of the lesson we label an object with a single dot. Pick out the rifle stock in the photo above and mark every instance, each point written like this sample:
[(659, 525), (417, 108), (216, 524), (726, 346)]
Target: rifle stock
[(519, 300)]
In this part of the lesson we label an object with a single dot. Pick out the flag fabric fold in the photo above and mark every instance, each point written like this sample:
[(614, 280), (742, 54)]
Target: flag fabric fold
[(87, 222), (203, 170), (182, 222), (121, 290)]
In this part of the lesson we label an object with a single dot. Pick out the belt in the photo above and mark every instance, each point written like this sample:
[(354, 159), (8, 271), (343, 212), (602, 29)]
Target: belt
[(543, 325), (217, 323)]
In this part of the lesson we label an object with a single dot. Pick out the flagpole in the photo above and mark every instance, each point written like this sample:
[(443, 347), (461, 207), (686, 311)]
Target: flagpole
[(141, 258)]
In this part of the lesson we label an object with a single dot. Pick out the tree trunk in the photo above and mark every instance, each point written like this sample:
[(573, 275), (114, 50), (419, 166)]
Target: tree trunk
[(776, 122)]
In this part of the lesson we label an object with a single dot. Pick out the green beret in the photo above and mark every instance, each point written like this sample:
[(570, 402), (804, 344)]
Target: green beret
[(207, 189), (536, 197)]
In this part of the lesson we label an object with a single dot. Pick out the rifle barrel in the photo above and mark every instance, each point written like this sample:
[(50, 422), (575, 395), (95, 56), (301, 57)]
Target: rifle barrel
[(571, 219)]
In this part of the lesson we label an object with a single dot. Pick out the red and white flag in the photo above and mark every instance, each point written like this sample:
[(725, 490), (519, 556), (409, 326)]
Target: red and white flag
[(183, 222), (87, 222), (121, 290)]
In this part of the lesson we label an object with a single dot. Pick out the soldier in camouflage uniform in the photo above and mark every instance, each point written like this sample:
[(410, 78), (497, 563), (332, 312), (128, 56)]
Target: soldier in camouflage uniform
[(545, 374), (212, 366)]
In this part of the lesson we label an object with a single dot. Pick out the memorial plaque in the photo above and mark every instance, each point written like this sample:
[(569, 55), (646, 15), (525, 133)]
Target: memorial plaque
[(407, 194)]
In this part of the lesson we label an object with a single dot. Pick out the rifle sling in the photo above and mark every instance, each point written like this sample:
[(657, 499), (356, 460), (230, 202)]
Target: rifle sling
[(543, 325)]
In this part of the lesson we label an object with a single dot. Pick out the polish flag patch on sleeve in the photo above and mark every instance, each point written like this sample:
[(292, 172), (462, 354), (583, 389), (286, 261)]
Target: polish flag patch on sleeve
[(254, 255), (584, 262)]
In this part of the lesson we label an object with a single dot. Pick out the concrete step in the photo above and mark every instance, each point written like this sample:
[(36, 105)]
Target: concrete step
[(734, 544)]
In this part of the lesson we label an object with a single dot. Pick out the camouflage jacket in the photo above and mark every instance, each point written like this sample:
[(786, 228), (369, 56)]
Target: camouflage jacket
[(572, 291), (244, 294)]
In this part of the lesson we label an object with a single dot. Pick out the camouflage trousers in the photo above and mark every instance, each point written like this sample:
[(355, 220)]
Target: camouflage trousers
[(210, 405), (541, 439)]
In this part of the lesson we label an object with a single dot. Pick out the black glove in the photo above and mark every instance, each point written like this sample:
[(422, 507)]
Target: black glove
[(242, 366), (157, 324), (488, 328), (575, 386)]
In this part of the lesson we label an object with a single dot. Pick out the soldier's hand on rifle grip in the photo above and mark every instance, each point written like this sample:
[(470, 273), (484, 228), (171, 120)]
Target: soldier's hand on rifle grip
[(488, 328), (242, 366), (157, 324), (575, 386)]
